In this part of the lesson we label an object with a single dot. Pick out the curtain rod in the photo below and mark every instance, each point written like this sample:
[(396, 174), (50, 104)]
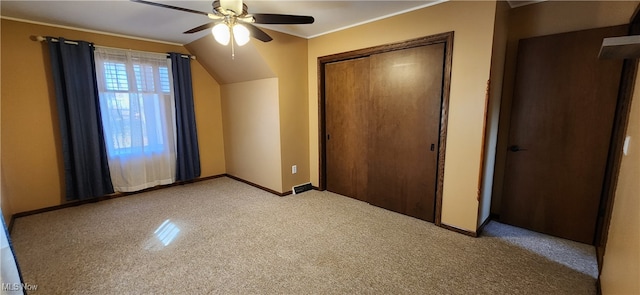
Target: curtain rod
[(41, 39)]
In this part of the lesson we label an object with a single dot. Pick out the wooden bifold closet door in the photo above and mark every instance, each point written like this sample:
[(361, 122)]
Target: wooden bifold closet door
[(382, 125)]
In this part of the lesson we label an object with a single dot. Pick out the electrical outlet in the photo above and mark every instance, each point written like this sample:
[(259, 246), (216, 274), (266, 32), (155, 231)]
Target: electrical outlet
[(294, 169)]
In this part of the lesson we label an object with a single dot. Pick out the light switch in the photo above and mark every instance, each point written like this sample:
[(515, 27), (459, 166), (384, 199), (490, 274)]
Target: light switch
[(625, 147)]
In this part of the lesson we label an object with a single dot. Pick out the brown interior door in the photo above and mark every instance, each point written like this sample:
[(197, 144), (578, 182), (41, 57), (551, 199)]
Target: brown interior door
[(347, 103), (406, 94), (561, 119)]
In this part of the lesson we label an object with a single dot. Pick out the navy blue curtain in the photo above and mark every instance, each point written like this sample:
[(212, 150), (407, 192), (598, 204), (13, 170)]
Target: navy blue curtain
[(86, 169), (188, 155)]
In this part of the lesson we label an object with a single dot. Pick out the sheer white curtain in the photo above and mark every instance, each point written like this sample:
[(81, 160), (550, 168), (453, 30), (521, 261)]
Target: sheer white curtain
[(137, 107)]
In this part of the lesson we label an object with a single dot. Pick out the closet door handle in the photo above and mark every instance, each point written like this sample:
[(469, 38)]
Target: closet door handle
[(433, 147)]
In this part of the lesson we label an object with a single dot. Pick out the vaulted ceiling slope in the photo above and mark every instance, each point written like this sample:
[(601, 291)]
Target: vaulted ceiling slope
[(246, 65)]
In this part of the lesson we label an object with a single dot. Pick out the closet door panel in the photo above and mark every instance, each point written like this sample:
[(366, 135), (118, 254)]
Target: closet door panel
[(405, 98), (346, 106)]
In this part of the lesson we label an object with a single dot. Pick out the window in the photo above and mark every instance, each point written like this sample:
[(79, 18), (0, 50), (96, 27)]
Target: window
[(134, 118), (137, 108)]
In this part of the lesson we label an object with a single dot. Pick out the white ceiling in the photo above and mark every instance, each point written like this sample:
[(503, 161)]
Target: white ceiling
[(149, 22)]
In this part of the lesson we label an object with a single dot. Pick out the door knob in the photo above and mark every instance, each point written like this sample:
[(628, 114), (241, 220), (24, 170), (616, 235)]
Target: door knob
[(516, 148)]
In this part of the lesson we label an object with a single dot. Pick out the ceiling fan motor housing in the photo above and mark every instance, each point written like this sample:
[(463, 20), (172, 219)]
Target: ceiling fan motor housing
[(230, 7)]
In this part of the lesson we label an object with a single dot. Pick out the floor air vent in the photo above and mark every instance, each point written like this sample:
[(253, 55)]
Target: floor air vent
[(302, 188)]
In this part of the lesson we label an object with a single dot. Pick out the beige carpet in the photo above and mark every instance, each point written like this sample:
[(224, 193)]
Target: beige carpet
[(225, 237)]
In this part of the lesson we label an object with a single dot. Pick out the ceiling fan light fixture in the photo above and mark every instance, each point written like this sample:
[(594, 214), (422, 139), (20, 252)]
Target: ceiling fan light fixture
[(221, 33), (241, 34), (228, 13)]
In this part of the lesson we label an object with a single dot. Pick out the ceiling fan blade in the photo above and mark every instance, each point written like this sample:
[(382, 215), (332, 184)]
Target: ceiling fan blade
[(200, 28), (282, 19), (170, 7), (257, 33)]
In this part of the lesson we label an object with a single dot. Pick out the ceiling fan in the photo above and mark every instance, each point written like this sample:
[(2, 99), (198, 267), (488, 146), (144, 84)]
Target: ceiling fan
[(233, 22)]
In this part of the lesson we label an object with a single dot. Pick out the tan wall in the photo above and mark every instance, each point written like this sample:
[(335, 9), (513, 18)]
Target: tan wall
[(473, 26), (31, 157), (5, 205), (498, 56), (287, 57), (208, 109), (250, 113), (541, 19), (621, 266)]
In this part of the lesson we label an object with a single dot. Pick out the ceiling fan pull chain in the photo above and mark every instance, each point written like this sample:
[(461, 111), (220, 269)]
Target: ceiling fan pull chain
[(233, 48)]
